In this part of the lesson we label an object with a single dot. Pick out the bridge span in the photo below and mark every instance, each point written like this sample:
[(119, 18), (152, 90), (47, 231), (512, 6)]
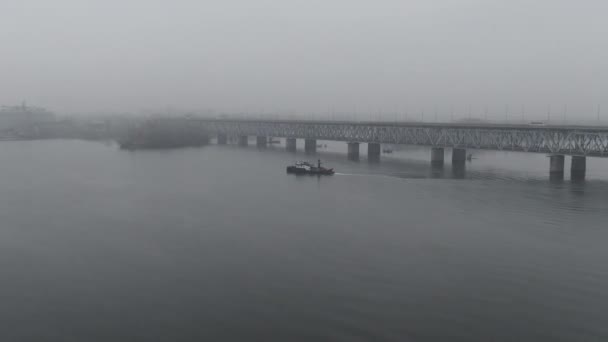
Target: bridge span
[(555, 140)]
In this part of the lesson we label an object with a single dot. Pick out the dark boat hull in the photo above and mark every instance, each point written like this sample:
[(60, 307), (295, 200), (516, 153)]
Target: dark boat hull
[(301, 171)]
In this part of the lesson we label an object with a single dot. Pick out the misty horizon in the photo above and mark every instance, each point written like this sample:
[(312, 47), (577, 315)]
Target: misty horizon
[(304, 170), (307, 57)]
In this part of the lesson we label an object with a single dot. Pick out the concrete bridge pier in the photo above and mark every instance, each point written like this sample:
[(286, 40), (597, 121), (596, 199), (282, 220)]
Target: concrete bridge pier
[(261, 141), (353, 150), (222, 139), (373, 151), (459, 156), (310, 145), (578, 167), (437, 155), (243, 140), (556, 164), (290, 144)]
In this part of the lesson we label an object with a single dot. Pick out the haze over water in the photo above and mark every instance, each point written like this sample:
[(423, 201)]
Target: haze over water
[(220, 244)]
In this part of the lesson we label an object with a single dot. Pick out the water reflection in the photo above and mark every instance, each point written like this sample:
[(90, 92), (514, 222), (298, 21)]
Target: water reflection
[(577, 177), (577, 187), (458, 171), (296, 257), (414, 162), (556, 178), (373, 159), (437, 171)]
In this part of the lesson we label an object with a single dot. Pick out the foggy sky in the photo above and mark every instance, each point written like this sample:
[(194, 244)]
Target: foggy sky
[(306, 56)]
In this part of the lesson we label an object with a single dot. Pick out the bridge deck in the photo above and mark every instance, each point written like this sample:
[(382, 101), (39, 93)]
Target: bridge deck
[(543, 138)]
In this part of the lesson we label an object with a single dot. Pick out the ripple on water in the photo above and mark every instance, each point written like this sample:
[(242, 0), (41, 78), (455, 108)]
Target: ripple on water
[(220, 244)]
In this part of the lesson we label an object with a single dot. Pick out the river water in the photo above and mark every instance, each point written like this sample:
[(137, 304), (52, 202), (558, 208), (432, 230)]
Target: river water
[(219, 244)]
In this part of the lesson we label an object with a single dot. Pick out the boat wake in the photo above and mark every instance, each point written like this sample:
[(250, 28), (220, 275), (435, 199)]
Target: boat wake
[(383, 175), (363, 174)]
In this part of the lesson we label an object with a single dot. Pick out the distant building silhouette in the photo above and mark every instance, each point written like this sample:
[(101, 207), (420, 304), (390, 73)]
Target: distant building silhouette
[(23, 117)]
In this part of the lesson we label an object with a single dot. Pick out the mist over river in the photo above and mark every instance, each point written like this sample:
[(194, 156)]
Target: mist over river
[(219, 244)]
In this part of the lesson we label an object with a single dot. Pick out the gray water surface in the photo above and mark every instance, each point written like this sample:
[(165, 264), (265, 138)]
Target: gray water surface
[(219, 244)]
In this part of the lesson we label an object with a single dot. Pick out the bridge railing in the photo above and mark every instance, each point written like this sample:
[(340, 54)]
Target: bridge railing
[(575, 140)]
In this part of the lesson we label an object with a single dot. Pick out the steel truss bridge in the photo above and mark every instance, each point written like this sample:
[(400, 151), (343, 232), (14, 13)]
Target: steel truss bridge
[(550, 139)]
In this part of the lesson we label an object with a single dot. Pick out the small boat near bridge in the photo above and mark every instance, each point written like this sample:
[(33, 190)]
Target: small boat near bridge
[(306, 168)]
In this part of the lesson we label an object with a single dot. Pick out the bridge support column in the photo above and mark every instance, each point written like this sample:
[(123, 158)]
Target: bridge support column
[(459, 155), (373, 151), (290, 144), (437, 155), (353, 150), (261, 141), (222, 139), (578, 167), (243, 140), (310, 145), (556, 166)]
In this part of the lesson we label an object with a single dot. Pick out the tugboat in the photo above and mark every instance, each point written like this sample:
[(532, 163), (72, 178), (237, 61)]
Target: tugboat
[(306, 168)]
